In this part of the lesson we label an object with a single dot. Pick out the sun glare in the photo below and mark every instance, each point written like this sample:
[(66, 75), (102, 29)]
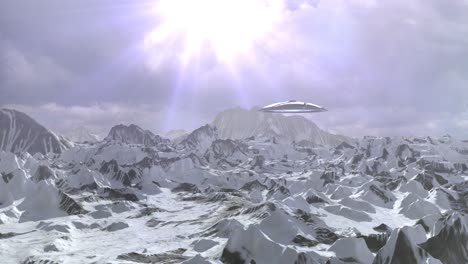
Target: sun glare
[(226, 28)]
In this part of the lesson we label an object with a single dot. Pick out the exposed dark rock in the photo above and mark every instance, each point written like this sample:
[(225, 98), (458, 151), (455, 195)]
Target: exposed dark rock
[(401, 148), (461, 167), (149, 211), (426, 180), (325, 236), (186, 187), (7, 177), (403, 252), (167, 257), (118, 194), (314, 199), (329, 176), (249, 186), (434, 167), (257, 162), (116, 226), (234, 207), (344, 145), (424, 225), (377, 191), (43, 173), (305, 242), (229, 257), (69, 205), (38, 260), (356, 159), (218, 197), (51, 248), (384, 154), (124, 175), (224, 148), (382, 228), (450, 245), (195, 198), (375, 241), (390, 182), (165, 163), (7, 235), (260, 211), (153, 222)]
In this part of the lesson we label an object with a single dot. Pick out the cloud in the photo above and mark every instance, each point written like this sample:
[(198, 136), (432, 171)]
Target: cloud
[(380, 67), (392, 122), (25, 75)]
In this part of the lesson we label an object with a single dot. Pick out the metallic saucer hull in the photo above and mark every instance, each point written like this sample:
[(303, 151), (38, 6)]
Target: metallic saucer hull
[(292, 107)]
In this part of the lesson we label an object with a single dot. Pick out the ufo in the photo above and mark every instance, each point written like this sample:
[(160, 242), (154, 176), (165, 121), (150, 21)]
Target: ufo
[(292, 107)]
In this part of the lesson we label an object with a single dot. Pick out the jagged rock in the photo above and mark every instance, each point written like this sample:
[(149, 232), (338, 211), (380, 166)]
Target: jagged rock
[(450, 242), (186, 187), (51, 248), (402, 247), (116, 226), (168, 257)]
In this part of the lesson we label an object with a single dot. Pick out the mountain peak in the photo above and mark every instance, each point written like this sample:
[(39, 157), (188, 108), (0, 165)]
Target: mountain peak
[(21, 133), (239, 123), (133, 134)]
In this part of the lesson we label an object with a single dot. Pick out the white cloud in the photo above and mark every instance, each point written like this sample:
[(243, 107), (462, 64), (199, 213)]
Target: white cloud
[(26, 71)]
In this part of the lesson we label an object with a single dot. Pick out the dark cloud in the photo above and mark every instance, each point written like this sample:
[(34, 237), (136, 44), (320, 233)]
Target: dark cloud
[(380, 67)]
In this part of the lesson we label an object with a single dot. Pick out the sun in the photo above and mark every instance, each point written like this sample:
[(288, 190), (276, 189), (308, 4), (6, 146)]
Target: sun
[(228, 29)]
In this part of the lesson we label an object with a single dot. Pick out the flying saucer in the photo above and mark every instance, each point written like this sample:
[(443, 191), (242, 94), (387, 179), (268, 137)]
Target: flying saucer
[(293, 107)]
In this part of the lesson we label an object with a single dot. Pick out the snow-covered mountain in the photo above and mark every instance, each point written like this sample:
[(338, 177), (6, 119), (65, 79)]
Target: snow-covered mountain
[(133, 134), (240, 123), (20, 133), (211, 199)]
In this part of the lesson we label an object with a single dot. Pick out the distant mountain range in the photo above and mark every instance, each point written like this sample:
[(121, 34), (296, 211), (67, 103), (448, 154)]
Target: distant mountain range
[(234, 123)]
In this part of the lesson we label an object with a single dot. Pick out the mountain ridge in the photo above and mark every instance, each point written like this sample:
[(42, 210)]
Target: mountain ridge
[(21, 133)]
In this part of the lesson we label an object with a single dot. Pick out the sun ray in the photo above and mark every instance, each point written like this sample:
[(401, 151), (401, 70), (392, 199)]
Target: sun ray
[(229, 29)]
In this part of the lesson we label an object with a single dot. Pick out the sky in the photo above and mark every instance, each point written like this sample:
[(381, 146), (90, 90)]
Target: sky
[(381, 68)]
